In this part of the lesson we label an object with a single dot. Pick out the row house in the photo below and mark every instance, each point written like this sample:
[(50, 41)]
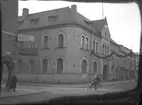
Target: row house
[(126, 64)]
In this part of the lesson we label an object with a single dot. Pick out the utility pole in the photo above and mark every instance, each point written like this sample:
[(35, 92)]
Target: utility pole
[(102, 10)]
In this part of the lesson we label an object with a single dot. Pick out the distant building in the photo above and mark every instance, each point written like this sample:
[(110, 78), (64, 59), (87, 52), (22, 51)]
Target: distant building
[(56, 45)]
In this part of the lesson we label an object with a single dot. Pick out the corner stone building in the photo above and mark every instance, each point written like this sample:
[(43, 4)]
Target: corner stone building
[(55, 47)]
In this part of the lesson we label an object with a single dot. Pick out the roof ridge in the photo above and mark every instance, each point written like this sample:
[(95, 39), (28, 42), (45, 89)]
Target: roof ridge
[(46, 11), (98, 20)]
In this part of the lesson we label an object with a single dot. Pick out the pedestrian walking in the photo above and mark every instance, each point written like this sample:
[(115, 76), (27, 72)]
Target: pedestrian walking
[(13, 82)]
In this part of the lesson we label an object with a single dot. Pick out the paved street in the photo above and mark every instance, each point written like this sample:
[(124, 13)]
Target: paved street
[(47, 92)]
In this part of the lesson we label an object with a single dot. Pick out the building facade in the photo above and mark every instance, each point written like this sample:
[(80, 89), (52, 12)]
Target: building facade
[(56, 47)]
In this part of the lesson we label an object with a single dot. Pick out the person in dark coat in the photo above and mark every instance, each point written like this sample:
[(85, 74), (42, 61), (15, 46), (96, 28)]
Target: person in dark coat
[(13, 82)]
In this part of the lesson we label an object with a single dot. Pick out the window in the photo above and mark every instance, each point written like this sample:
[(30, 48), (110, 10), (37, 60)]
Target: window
[(32, 45), (61, 40), (20, 22), (44, 65), (82, 41), (53, 17), (46, 42), (84, 67), (59, 65), (27, 44), (87, 22), (93, 45), (86, 41), (107, 50), (94, 68), (34, 21), (103, 49), (31, 62), (96, 47), (112, 69)]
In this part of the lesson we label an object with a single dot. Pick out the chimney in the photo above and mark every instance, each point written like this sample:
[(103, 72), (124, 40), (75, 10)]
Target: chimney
[(74, 7), (25, 12)]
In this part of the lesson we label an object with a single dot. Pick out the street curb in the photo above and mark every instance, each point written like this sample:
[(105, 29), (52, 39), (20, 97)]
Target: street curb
[(22, 95), (51, 85), (78, 85)]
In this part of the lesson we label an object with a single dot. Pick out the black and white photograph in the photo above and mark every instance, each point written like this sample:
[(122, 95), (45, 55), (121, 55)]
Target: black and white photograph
[(52, 49)]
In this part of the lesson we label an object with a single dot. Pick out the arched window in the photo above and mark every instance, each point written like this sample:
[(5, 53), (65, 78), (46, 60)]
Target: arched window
[(31, 62), (20, 66), (93, 45), (112, 69), (86, 42), (46, 42), (59, 65), (97, 46), (61, 40), (82, 41), (44, 65), (94, 67), (84, 67)]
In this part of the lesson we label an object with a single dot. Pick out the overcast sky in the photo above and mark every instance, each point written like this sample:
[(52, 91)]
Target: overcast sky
[(123, 19)]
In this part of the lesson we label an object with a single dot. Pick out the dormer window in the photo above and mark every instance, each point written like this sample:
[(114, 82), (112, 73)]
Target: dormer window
[(87, 22), (34, 21), (52, 17), (21, 22)]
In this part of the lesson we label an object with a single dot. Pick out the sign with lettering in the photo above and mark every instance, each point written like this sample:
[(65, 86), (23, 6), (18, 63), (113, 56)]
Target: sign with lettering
[(26, 38)]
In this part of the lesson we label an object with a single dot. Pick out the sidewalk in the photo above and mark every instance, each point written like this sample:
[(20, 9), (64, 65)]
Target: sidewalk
[(19, 92), (40, 88), (69, 85)]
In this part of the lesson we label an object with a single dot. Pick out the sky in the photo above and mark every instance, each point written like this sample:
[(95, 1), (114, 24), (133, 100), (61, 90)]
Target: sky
[(124, 20)]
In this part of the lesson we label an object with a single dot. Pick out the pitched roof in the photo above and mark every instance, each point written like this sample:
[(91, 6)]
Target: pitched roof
[(98, 24), (64, 15), (111, 40)]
